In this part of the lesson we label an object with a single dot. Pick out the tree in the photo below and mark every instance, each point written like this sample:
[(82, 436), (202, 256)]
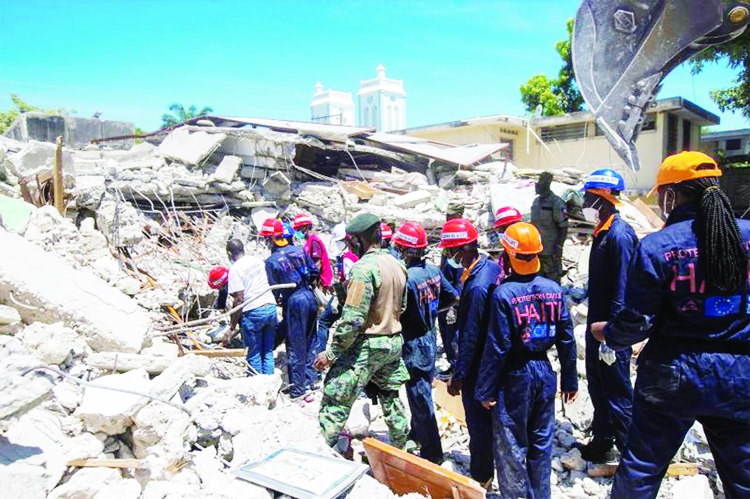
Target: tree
[(735, 98), (559, 95), (20, 107), (180, 114)]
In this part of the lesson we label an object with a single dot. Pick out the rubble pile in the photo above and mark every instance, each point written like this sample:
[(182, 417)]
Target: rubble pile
[(89, 293)]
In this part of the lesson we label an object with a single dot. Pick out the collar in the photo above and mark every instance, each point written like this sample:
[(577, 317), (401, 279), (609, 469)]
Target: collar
[(419, 263), (469, 270), (682, 213), (605, 225)]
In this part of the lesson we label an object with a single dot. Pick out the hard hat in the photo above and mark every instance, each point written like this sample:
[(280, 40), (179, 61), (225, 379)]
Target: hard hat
[(605, 179), (385, 231), (411, 235), (302, 220), (684, 166), (272, 227), (458, 232), (522, 238), (339, 232), (287, 230), (507, 215), (218, 277)]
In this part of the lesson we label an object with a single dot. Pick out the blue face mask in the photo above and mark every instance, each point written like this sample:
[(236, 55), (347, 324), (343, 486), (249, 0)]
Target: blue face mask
[(299, 234), (453, 263)]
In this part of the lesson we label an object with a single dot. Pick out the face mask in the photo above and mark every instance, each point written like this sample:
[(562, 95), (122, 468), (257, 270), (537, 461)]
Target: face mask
[(668, 204), (591, 215), (453, 263), (299, 234), (340, 246)]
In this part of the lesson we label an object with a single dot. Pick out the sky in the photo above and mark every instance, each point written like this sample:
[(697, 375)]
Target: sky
[(132, 59)]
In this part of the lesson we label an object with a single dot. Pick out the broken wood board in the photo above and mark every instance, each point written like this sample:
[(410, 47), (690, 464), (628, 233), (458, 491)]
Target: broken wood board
[(676, 469), (107, 463), (652, 217), (453, 404), (405, 473), (220, 352), (362, 190)]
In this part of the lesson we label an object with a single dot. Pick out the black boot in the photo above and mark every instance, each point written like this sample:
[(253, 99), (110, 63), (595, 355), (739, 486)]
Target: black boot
[(598, 451)]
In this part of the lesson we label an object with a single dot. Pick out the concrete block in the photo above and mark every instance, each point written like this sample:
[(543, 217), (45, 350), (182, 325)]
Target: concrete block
[(52, 343), (227, 169), (190, 148), (693, 487), (86, 483), (8, 315), (412, 199), (19, 393), (37, 157), (111, 412), (108, 319)]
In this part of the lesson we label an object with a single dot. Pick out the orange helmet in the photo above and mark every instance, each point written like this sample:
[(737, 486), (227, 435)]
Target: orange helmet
[(302, 220), (458, 232), (218, 277), (684, 166), (385, 231), (522, 238), (411, 235), (272, 227), (507, 215)]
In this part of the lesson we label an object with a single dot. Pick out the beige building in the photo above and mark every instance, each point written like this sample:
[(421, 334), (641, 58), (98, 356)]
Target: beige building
[(573, 140)]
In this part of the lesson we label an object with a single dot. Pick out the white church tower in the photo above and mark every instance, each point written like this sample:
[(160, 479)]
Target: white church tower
[(382, 103), (332, 107)]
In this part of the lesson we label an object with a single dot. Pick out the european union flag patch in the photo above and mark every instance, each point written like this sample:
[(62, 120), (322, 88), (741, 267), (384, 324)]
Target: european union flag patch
[(721, 306)]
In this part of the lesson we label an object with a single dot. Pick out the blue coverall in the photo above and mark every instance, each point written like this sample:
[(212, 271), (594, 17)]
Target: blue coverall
[(427, 291), (471, 327), (291, 264), (610, 388), (448, 331), (696, 365), (528, 315)]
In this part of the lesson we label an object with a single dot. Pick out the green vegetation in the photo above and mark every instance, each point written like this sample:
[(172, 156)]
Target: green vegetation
[(180, 114), (19, 106)]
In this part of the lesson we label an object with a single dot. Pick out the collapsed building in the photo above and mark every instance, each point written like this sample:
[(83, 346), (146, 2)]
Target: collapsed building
[(107, 302)]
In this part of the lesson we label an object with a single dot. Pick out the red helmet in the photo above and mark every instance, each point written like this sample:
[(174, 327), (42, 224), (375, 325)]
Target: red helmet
[(411, 235), (458, 232), (385, 231), (302, 220), (272, 227), (507, 215), (218, 277)]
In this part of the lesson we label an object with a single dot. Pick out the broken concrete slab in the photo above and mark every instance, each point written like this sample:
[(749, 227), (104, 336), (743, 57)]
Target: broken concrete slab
[(52, 343), (36, 157), (160, 430), (190, 148), (124, 362), (54, 291), (694, 487), (277, 186), (19, 393), (9, 315), (227, 169), (111, 412), (412, 199), (87, 483), (209, 470)]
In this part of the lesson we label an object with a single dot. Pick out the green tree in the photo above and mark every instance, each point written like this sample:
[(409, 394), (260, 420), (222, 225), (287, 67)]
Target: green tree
[(180, 114), (735, 98), (559, 95), (19, 107)]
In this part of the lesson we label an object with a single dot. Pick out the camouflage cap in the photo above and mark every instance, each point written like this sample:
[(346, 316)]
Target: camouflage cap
[(362, 223), (455, 208)]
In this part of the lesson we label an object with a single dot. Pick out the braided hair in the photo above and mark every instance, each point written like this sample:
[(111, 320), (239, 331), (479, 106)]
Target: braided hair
[(720, 252)]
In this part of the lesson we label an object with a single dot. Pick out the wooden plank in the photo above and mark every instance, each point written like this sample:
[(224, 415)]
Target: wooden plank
[(107, 463), (446, 401), (219, 352), (652, 217), (404, 473), (676, 469)]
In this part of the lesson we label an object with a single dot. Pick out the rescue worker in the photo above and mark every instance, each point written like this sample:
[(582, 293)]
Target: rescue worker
[(504, 218), (387, 235), (288, 232), (528, 315), (313, 246), (479, 277), (607, 372), (290, 264), (366, 346), (257, 318), (550, 215), (427, 291), (447, 318), (687, 292), (217, 280)]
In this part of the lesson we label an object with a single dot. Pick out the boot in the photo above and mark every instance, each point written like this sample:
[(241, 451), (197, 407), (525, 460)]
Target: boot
[(598, 451)]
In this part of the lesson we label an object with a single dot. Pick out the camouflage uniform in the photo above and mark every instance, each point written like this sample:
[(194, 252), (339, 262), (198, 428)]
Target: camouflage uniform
[(359, 358), (550, 215)]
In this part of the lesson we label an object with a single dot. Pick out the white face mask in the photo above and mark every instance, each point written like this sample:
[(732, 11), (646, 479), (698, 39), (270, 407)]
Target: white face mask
[(591, 214), (668, 204)]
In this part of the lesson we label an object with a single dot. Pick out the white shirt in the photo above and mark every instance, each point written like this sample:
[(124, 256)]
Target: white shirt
[(248, 274)]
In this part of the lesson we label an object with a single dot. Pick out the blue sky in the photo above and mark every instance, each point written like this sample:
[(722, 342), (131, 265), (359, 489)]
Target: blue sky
[(132, 59)]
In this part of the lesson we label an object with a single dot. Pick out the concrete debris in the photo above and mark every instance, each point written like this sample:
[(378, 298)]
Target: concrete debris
[(111, 412), (227, 169), (692, 487), (124, 362), (38, 157), (572, 460), (52, 343), (19, 392), (9, 316), (190, 148)]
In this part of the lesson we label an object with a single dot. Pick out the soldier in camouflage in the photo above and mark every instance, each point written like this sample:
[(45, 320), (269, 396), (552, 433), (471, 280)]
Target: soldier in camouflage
[(366, 346), (550, 215)]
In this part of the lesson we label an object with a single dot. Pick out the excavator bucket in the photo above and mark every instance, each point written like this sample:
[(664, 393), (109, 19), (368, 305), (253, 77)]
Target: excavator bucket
[(623, 49)]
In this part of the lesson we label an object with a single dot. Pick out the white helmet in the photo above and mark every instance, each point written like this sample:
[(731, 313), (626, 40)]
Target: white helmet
[(339, 232)]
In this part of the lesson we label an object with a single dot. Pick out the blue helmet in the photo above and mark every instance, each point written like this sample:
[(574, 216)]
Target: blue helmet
[(288, 232), (605, 179)]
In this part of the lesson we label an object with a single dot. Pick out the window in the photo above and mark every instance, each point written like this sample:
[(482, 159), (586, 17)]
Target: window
[(734, 144), (564, 132), (687, 132), (672, 126)]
